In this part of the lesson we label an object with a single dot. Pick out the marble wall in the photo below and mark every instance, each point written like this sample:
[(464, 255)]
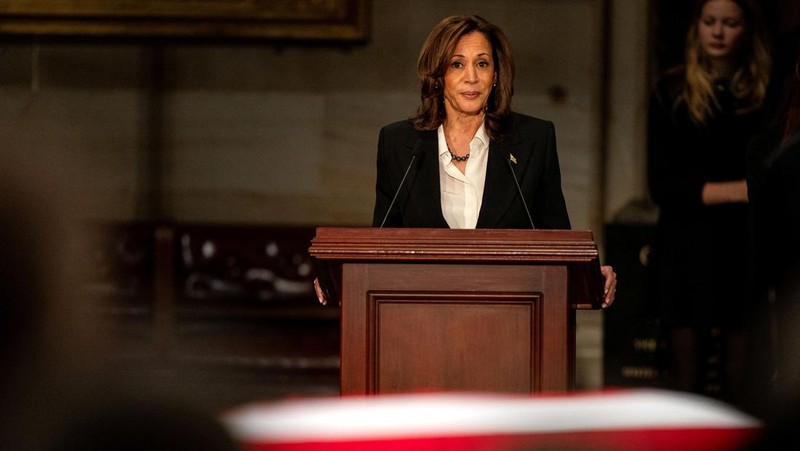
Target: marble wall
[(266, 134)]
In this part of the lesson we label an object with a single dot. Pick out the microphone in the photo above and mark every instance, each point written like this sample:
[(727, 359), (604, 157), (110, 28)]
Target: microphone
[(519, 190), (402, 181)]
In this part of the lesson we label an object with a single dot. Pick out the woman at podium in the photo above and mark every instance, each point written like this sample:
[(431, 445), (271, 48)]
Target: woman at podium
[(466, 160)]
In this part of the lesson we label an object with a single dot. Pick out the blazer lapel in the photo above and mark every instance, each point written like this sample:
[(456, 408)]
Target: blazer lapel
[(500, 191)]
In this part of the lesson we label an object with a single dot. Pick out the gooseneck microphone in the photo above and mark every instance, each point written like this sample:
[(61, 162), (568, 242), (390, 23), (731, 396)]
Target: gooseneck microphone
[(519, 189), (402, 181)]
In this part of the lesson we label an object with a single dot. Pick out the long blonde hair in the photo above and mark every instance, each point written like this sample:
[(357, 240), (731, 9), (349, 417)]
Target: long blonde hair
[(750, 79)]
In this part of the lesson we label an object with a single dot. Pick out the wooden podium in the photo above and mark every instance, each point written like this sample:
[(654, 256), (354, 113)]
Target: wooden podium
[(457, 310)]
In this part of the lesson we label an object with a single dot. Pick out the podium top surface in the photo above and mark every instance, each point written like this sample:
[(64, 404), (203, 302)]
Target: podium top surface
[(462, 245)]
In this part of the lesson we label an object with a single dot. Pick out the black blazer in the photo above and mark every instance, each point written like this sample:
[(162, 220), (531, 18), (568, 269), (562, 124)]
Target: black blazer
[(530, 141)]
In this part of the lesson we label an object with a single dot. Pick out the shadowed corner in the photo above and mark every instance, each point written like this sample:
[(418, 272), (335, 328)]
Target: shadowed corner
[(59, 388)]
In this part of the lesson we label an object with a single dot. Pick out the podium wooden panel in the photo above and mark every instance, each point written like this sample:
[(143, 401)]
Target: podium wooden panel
[(461, 310)]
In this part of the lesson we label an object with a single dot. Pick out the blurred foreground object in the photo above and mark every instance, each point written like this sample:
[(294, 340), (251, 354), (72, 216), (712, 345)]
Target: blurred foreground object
[(619, 420)]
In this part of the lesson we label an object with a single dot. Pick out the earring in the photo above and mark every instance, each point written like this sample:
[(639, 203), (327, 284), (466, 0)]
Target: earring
[(436, 86), (494, 85)]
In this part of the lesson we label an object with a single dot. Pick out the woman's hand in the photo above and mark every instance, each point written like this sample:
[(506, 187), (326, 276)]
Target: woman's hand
[(320, 294), (610, 286), (715, 193)]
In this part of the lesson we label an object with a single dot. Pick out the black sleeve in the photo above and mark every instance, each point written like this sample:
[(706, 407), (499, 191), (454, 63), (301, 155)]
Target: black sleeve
[(383, 188), (548, 200)]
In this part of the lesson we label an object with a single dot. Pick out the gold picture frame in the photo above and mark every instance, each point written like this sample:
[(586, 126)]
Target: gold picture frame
[(278, 20)]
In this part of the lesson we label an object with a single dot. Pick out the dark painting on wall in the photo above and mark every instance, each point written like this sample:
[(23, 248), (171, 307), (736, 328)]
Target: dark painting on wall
[(276, 20)]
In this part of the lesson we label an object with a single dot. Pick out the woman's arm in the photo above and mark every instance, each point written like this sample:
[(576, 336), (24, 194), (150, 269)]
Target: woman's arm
[(383, 188), (715, 193)]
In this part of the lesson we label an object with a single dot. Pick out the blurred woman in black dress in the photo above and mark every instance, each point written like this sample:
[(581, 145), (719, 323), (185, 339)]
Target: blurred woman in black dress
[(702, 115)]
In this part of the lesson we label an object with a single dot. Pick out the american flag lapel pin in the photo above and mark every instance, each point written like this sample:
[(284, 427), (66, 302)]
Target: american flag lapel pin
[(512, 158)]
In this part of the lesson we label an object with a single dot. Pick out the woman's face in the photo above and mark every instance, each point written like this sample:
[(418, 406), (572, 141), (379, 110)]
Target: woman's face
[(469, 77), (721, 29)]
